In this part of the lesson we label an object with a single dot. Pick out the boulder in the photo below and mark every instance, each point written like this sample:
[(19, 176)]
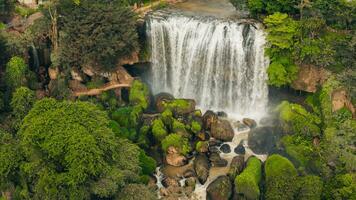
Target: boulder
[(217, 161), (240, 126), (263, 140), (214, 149), (209, 118), (219, 189), (225, 148), (222, 130), (249, 122), (240, 149), (236, 167), (160, 99), (168, 182), (309, 78), (214, 142), (222, 114), (174, 158), (190, 182), (201, 167)]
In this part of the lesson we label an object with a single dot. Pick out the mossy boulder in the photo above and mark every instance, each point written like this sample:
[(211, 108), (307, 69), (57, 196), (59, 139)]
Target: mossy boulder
[(139, 95), (219, 189), (201, 167), (177, 106), (281, 177), (160, 99), (222, 130), (236, 167), (202, 146), (179, 128), (209, 118), (247, 183), (177, 141)]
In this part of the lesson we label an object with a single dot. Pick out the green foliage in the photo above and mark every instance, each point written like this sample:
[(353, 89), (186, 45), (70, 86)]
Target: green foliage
[(239, 4), (295, 119), (2, 102), (284, 6), (178, 106), (343, 186), (178, 126), (167, 118), (342, 115), (136, 192), (127, 117), (10, 158), (21, 103), (96, 33), (309, 187), (159, 130), (282, 35), (74, 137), (59, 88), (24, 11), (177, 141), (280, 178), (143, 137), (147, 163), (255, 6), (15, 74), (299, 149), (139, 94), (247, 183)]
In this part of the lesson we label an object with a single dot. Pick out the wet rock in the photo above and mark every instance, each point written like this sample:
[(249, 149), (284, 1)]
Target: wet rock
[(202, 146), (236, 167), (189, 173), (222, 114), (190, 182), (249, 122), (174, 158), (214, 142), (160, 99), (168, 182), (201, 167), (240, 149), (240, 126), (217, 161), (214, 149), (263, 140), (209, 118), (219, 189), (225, 148), (222, 130)]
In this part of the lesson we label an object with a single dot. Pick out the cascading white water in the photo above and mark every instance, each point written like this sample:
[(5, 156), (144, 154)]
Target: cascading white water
[(218, 62)]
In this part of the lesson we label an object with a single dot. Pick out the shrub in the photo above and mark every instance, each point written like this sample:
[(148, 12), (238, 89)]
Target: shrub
[(159, 130), (280, 178), (139, 94), (15, 74), (177, 141), (21, 103), (247, 183)]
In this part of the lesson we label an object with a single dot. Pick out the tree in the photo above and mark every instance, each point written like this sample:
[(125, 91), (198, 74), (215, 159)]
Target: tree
[(21, 102), (70, 153), (285, 6), (281, 178), (16, 72), (96, 33)]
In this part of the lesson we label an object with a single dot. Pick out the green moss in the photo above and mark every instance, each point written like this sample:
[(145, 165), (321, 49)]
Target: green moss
[(139, 94), (176, 140), (280, 178), (299, 149), (159, 130), (198, 113), (247, 183), (148, 165), (195, 127), (295, 119), (127, 116), (167, 118), (179, 106), (201, 145), (142, 139)]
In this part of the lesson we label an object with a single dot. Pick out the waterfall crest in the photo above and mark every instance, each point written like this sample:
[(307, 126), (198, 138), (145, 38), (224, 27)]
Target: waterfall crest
[(218, 62)]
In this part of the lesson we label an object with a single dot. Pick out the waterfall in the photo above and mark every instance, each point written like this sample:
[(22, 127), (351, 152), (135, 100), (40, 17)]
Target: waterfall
[(218, 62)]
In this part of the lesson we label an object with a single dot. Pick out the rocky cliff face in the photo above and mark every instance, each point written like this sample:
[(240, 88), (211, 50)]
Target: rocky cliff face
[(309, 78)]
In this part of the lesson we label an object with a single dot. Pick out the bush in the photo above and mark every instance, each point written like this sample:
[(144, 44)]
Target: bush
[(127, 116), (176, 141), (247, 183), (21, 103), (281, 178), (309, 187), (159, 130), (139, 94), (15, 74)]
